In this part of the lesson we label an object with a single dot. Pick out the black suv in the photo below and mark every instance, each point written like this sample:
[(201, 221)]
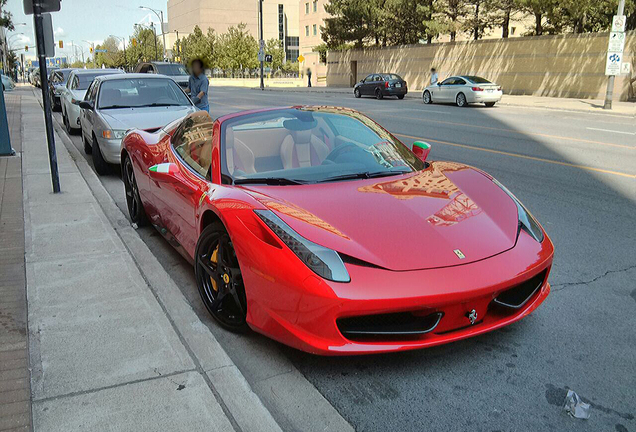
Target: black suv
[(176, 71), (380, 85)]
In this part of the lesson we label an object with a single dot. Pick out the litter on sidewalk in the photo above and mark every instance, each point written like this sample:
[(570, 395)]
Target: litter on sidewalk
[(574, 406)]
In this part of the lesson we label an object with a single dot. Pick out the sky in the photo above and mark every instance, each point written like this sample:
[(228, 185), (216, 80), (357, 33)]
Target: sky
[(85, 20)]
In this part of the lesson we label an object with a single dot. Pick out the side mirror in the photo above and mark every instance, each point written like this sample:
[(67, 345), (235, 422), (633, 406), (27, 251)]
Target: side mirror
[(439, 83), (86, 105), (421, 150), (164, 172)]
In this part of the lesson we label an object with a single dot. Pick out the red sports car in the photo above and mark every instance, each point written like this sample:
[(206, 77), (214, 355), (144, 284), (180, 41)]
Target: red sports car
[(318, 228)]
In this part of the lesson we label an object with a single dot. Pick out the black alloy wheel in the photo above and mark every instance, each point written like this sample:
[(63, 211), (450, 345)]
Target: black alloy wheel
[(133, 200), (356, 93), (219, 278), (460, 100), (378, 94), (426, 97)]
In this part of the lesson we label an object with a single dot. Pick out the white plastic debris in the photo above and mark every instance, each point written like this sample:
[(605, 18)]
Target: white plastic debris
[(134, 225), (575, 406)]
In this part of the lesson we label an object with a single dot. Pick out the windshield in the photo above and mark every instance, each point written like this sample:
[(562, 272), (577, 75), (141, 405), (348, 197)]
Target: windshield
[(306, 145), (140, 92), (85, 79), (477, 80), (171, 69), (393, 77)]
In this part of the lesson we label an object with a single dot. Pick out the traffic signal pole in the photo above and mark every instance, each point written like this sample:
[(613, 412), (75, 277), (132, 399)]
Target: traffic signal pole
[(260, 17), (39, 36), (609, 93)]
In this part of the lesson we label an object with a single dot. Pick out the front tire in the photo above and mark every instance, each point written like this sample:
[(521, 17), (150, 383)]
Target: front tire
[(378, 94), (356, 93), (400, 97), (136, 209), (460, 100), (101, 166), (88, 148), (219, 278), (489, 104), (426, 97)]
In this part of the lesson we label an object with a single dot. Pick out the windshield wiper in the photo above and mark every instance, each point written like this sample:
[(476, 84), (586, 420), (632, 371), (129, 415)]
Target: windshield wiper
[(363, 175), (276, 181), (114, 107), (155, 104)]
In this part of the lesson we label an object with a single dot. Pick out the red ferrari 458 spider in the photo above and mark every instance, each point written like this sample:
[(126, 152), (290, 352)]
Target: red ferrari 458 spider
[(318, 228)]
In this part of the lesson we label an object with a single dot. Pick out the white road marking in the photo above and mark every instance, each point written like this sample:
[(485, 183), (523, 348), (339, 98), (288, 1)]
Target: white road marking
[(613, 131)]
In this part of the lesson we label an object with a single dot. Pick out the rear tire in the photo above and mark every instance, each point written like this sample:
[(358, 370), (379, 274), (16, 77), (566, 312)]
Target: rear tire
[(489, 104), (378, 94), (460, 100), (101, 166), (136, 209), (426, 97), (356, 93), (400, 97)]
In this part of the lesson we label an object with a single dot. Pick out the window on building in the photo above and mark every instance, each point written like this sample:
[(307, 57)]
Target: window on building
[(292, 55), (307, 8), (315, 29), (315, 5), (306, 30), (512, 30)]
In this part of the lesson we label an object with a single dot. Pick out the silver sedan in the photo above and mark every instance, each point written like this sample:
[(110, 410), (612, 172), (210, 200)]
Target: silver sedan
[(115, 103), (463, 90)]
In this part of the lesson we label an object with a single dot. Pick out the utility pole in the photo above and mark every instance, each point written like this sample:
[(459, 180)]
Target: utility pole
[(260, 18), (609, 93), (155, 33), (163, 34), (39, 37)]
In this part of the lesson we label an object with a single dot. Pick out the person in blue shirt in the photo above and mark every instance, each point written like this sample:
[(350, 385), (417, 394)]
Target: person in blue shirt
[(198, 86), (433, 76)]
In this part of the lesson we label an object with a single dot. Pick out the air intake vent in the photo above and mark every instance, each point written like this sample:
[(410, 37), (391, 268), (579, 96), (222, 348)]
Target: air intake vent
[(387, 326), (516, 297)]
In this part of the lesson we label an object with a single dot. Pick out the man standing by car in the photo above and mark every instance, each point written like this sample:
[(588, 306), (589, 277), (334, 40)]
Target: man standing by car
[(198, 86), (433, 76)]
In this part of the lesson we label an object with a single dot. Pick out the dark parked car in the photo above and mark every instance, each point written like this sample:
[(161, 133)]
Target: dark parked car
[(380, 85), (176, 71), (57, 82)]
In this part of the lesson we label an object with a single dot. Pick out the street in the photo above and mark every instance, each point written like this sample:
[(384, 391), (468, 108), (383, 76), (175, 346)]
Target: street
[(576, 172)]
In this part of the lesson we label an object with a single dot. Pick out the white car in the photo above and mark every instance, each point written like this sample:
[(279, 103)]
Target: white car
[(463, 90), (73, 93), (7, 83)]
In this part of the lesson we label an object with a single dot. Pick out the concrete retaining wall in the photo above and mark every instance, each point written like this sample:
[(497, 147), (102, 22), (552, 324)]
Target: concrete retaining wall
[(559, 66)]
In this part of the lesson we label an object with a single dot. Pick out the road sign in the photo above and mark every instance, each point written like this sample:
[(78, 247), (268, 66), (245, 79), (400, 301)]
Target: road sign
[(49, 40), (618, 23), (616, 42), (268, 58), (101, 50), (46, 5), (301, 58), (613, 64), (625, 68), (262, 44)]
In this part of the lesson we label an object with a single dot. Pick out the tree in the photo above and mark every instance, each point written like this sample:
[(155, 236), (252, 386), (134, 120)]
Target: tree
[(141, 46), (274, 47), (113, 57), (539, 9), (238, 50), (406, 21), (453, 15), (6, 18), (501, 12), (197, 46), (479, 19), (351, 21)]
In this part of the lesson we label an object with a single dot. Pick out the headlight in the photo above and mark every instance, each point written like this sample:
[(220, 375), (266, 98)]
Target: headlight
[(324, 262), (113, 134), (527, 222)]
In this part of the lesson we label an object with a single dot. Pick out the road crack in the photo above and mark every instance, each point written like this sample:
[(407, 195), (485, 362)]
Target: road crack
[(561, 286)]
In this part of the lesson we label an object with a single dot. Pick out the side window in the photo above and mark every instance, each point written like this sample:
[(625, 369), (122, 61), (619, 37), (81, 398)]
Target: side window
[(70, 81), (369, 78), (92, 91), (144, 69), (448, 81), (193, 142), (377, 78), (459, 81)]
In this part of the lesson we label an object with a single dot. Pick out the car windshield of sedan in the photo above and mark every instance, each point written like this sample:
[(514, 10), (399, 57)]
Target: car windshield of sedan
[(171, 69), (310, 145), (140, 92), (477, 80)]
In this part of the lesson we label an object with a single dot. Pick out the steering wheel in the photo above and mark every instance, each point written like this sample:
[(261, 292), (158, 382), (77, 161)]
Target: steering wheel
[(333, 155)]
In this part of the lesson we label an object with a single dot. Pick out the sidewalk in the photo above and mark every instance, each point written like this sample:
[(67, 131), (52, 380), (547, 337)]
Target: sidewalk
[(111, 349), (15, 405), (563, 104)]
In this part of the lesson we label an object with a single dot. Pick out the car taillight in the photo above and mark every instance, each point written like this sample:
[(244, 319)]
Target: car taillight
[(478, 89), (499, 88), (386, 84)]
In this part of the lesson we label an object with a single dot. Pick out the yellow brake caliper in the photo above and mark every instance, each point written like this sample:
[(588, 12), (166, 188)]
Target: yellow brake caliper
[(213, 258)]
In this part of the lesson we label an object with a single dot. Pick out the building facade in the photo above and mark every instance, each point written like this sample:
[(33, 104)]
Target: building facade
[(280, 19), (312, 17)]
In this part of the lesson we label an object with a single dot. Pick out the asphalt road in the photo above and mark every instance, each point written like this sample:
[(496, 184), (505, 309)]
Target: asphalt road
[(577, 173)]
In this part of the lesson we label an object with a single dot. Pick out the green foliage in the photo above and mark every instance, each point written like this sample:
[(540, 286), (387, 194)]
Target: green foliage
[(113, 58), (6, 18), (237, 49), (143, 49), (197, 46), (275, 48)]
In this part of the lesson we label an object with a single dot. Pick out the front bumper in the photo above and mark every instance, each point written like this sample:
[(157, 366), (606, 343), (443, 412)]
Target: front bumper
[(111, 150), (289, 303)]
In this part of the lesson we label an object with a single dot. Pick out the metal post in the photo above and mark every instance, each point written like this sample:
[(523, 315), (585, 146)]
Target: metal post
[(39, 37), (260, 17), (609, 93), (163, 35), (155, 33)]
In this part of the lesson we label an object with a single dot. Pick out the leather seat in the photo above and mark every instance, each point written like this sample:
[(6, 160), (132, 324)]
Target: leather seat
[(302, 149), (238, 156)]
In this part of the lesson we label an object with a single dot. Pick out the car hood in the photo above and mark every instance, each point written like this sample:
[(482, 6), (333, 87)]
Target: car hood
[(448, 214), (144, 118)]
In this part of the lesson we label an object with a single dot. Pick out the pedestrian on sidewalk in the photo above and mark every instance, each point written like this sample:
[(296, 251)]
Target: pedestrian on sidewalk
[(308, 77), (433, 76), (198, 86)]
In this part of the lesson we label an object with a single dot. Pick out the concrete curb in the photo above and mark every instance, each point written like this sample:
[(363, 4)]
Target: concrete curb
[(292, 390)]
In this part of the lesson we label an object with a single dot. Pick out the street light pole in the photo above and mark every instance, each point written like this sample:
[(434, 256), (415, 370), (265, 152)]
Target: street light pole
[(155, 32), (609, 93), (163, 34), (260, 18)]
